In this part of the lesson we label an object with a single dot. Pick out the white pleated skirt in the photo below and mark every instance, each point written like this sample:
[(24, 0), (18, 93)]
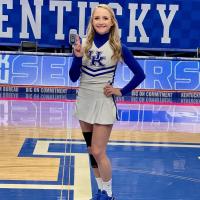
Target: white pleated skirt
[(95, 108)]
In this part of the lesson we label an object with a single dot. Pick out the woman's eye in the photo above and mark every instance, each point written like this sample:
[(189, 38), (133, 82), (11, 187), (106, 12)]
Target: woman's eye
[(104, 18)]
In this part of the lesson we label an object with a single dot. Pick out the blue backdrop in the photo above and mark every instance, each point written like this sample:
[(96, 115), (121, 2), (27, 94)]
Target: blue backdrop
[(144, 24)]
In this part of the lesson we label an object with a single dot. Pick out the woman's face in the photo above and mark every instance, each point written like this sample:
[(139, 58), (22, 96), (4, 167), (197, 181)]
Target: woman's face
[(102, 21)]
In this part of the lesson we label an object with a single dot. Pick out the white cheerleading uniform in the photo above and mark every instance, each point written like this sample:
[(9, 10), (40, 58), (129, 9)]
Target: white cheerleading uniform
[(92, 105)]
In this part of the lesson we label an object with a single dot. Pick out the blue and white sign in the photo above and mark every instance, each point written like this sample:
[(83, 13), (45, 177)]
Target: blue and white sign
[(144, 24), (49, 70)]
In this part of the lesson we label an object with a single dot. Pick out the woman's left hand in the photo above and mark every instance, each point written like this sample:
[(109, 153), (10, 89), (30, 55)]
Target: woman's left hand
[(109, 90)]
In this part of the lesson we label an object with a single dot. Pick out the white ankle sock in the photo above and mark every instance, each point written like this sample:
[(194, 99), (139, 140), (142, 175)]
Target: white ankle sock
[(99, 183), (107, 186)]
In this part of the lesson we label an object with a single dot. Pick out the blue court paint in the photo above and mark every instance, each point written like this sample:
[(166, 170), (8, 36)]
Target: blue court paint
[(154, 173), (28, 194)]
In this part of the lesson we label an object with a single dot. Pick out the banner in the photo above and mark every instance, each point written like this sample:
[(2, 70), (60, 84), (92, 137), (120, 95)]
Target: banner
[(50, 70), (144, 24)]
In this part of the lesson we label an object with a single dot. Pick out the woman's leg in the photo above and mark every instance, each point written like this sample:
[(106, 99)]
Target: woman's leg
[(87, 130), (100, 138)]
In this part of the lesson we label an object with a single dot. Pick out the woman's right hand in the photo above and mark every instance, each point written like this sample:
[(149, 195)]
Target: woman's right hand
[(77, 47)]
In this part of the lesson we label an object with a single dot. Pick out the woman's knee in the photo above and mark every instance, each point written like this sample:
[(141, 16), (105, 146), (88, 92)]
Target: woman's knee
[(97, 152)]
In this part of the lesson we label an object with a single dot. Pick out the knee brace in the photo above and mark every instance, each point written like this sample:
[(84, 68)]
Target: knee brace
[(93, 161), (88, 140)]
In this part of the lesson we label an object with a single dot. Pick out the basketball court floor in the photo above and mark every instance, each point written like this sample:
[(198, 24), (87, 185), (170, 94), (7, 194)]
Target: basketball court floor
[(154, 149)]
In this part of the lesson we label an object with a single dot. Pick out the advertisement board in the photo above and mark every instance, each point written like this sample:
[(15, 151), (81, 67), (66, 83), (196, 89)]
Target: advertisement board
[(52, 70)]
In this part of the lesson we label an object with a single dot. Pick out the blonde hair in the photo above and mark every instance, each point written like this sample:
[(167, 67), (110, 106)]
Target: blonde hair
[(114, 39)]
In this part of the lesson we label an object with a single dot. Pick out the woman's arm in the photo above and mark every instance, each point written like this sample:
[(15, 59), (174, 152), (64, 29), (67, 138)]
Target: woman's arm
[(138, 77), (75, 70), (134, 66)]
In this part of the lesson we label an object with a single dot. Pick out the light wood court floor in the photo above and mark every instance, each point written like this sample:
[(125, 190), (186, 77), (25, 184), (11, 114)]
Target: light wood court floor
[(154, 150)]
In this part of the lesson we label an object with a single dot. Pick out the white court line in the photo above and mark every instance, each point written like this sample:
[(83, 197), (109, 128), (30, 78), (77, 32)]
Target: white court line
[(82, 179), (41, 147), (37, 186), (155, 144)]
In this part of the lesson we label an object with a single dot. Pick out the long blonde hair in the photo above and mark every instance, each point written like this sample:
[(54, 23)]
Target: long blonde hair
[(114, 39)]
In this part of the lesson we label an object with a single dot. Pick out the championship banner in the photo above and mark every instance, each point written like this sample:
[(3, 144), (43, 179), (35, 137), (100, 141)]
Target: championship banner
[(29, 73), (144, 24)]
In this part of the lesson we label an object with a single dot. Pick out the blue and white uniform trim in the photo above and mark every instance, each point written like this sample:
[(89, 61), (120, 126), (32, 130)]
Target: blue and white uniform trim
[(97, 72)]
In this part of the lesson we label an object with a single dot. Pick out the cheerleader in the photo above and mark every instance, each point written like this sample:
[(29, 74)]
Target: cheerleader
[(95, 61)]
